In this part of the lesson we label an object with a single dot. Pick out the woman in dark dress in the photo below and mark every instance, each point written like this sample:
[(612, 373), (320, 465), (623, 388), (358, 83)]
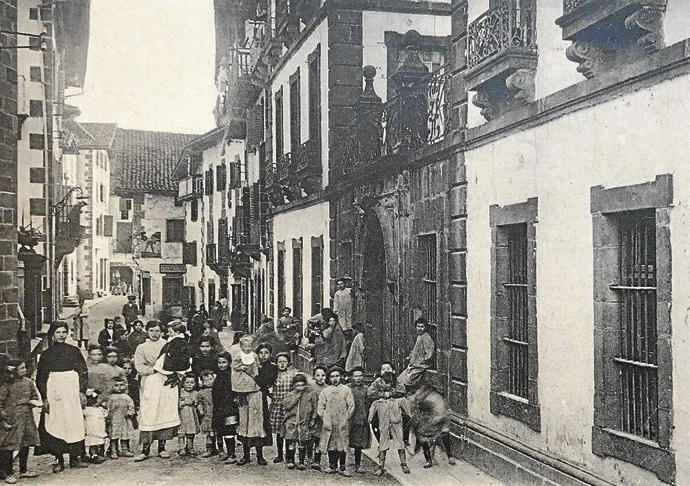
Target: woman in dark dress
[(61, 381), (268, 372)]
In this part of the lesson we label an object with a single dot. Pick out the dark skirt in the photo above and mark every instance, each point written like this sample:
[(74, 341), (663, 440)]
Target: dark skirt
[(360, 436), (54, 446), (146, 437)]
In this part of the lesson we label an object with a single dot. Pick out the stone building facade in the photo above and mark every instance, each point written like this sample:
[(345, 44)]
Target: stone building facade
[(9, 294), (149, 221), (530, 208)]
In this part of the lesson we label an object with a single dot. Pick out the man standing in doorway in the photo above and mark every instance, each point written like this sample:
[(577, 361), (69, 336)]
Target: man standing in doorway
[(342, 306)]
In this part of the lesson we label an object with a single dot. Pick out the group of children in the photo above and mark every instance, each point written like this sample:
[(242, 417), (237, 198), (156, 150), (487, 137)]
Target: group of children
[(240, 393)]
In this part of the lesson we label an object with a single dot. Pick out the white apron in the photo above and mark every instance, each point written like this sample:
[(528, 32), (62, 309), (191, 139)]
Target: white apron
[(65, 419), (159, 403)]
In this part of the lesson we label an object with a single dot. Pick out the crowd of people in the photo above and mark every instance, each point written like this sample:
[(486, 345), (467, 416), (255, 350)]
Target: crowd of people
[(157, 382)]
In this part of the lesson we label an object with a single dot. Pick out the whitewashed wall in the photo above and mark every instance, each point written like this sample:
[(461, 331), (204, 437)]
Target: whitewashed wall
[(305, 223), (628, 140)]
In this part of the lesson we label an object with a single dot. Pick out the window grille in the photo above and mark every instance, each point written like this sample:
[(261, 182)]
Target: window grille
[(516, 287), (637, 360)]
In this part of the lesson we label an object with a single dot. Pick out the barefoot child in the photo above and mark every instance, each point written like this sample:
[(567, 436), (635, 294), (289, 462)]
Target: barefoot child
[(189, 416), (336, 406), (299, 418)]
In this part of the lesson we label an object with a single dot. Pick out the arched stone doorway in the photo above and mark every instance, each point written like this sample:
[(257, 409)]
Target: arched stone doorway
[(377, 318)]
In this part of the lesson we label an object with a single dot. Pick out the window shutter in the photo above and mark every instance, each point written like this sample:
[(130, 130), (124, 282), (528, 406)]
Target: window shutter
[(189, 253), (124, 237), (107, 225)]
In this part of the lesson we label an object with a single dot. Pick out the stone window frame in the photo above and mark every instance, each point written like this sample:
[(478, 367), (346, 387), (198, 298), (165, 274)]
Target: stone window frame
[(501, 402), (607, 206)]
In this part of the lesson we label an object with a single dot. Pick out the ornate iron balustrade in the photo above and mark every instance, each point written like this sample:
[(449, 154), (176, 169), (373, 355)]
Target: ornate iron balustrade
[(307, 156), (571, 5), (418, 119), (509, 24), (438, 120), (286, 169)]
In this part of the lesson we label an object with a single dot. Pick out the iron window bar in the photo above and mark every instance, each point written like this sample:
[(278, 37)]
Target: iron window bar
[(637, 356)]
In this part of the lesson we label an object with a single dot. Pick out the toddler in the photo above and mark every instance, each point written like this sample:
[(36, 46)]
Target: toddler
[(120, 414), (189, 406), (206, 404), (245, 367), (95, 414)]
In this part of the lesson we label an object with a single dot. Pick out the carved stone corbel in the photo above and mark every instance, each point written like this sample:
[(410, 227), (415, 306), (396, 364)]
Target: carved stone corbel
[(584, 54), (520, 86), (489, 106), (650, 21)]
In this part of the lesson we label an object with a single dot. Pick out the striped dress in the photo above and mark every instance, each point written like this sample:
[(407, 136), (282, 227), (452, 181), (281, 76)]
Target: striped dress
[(280, 391)]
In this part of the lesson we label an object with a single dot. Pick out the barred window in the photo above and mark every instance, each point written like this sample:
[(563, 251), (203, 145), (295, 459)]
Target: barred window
[(516, 289), (633, 359), (514, 349), (637, 358)]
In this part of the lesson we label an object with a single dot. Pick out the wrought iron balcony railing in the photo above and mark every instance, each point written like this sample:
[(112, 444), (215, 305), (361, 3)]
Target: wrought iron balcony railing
[(286, 168), (509, 24), (308, 157), (420, 118)]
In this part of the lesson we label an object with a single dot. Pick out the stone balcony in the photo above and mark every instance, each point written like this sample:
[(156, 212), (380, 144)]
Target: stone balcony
[(610, 33), (502, 57)]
